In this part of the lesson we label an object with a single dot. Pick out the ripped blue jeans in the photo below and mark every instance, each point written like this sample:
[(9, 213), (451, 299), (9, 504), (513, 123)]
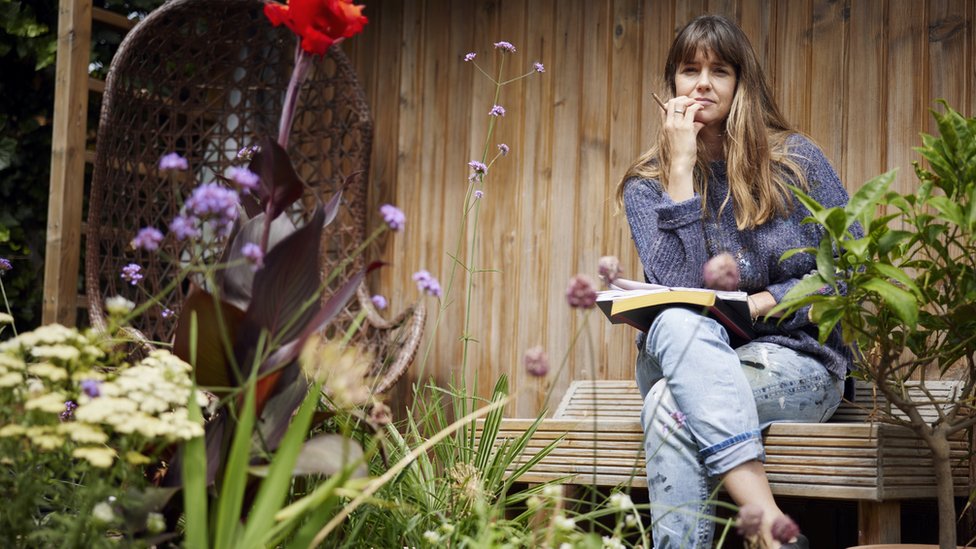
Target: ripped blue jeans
[(704, 407)]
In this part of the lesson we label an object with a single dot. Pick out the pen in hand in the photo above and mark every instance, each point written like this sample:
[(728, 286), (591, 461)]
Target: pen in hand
[(659, 102)]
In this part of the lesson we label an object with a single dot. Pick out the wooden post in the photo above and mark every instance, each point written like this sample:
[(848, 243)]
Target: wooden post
[(878, 522), (61, 264)]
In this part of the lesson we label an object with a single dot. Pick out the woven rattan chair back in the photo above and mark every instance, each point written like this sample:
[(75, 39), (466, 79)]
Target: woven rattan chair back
[(206, 78)]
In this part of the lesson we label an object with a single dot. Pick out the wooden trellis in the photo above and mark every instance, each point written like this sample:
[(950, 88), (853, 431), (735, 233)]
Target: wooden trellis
[(69, 153)]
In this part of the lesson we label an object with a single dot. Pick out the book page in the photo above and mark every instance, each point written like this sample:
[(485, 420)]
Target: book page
[(623, 287)]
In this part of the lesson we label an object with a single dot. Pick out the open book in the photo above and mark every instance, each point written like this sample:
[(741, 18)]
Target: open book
[(638, 303)]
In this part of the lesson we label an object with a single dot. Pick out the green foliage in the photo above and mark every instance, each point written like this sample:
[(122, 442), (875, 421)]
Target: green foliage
[(910, 301), (911, 280), (79, 424), (457, 492), (28, 45)]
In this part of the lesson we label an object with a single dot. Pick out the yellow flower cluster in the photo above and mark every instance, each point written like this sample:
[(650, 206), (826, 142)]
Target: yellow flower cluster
[(126, 407)]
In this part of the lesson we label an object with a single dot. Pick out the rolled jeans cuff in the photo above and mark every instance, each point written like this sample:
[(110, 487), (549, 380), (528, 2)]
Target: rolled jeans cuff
[(726, 455)]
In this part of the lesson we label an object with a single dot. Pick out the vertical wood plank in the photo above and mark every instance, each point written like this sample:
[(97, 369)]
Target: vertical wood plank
[(561, 208), (949, 65), (408, 175), (728, 8), (907, 108), (865, 102), (754, 19), (878, 522), (686, 10), (446, 96), (496, 249), (791, 66), (626, 121), (828, 82), (63, 249), (594, 202), (657, 33), (533, 191)]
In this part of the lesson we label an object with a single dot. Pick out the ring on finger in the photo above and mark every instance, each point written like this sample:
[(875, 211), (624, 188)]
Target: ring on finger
[(676, 111)]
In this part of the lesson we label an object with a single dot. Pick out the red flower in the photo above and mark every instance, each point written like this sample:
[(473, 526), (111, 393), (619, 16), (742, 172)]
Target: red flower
[(320, 23)]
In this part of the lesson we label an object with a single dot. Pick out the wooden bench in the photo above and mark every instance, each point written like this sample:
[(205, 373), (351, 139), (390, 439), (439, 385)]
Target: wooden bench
[(848, 458)]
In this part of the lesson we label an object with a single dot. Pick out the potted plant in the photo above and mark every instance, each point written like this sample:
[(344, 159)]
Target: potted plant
[(905, 293)]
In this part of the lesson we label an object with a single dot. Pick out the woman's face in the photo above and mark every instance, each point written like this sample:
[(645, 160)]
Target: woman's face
[(710, 82)]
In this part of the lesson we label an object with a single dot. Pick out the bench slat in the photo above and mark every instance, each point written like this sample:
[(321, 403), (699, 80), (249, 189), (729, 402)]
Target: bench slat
[(846, 458)]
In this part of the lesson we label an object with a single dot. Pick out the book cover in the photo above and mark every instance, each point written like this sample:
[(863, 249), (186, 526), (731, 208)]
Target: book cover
[(637, 304)]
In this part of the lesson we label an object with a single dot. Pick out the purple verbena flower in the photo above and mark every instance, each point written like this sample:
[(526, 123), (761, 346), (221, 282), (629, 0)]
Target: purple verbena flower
[(173, 161), (131, 273), (784, 530), (243, 178), (90, 387), (721, 272), (505, 46), (749, 520), (497, 110), (378, 301), (503, 148), (679, 418), (214, 204), (184, 227), (539, 67), (469, 56), (5, 265), (148, 238), (69, 410), (581, 293), (478, 194), (167, 313), (479, 169), (393, 216), (254, 254), (536, 361), (427, 283)]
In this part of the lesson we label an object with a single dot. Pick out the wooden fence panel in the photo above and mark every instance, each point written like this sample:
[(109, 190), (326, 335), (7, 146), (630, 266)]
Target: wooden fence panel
[(857, 76)]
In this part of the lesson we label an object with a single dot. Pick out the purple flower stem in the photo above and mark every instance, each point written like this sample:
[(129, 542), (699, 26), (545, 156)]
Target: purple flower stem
[(303, 62)]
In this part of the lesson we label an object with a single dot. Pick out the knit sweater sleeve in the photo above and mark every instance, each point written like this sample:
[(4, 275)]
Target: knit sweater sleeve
[(826, 188), (668, 235)]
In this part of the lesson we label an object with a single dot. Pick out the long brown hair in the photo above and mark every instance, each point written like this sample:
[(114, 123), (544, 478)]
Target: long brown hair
[(758, 163)]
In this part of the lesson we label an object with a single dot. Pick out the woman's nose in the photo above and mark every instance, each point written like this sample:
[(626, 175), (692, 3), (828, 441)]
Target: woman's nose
[(704, 81)]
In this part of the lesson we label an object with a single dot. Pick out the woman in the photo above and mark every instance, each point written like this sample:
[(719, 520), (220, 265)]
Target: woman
[(717, 182)]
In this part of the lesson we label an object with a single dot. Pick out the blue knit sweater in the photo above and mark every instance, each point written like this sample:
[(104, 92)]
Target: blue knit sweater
[(674, 240)]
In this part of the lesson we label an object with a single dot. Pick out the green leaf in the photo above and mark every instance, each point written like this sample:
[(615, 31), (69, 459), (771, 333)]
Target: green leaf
[(274, 488), (800, 293), (949, 209), (8, 148), (826, 315), (836, 223), (231, 498), (901, 302), (865, 199), (790, 253), (858, 248), (194, 468), (825, 262), (897, 274)]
